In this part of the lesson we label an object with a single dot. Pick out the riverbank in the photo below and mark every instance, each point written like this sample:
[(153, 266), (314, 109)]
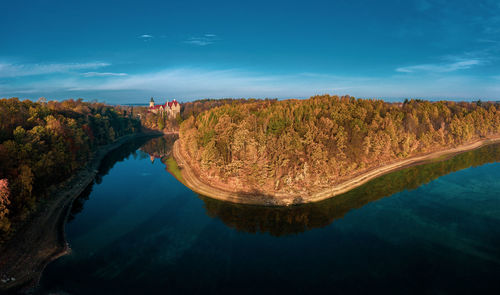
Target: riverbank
[(195, 183), (41, 239)]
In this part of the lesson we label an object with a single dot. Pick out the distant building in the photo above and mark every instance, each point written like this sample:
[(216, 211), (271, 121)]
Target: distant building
[(170, 109)]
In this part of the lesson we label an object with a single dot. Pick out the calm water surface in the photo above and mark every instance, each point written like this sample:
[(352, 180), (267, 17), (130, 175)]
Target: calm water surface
[(432, 229)]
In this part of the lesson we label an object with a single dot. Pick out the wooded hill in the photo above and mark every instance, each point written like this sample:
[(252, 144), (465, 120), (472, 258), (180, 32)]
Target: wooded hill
[(44, 143), (295, 146), (160, 121)]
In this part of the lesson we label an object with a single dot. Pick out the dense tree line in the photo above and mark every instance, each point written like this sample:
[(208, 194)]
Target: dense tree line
[(295, 146), (160, 121), (43, 143), (194, 108)]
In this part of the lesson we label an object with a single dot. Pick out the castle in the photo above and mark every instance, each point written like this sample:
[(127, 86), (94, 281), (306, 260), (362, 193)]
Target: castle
[(169, 109)]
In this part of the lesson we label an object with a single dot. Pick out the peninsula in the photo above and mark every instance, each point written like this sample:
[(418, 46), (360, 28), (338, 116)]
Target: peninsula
[(300, 151)]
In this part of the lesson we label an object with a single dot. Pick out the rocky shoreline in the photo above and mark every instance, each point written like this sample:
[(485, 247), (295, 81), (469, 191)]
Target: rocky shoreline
[(41, 239), (195, 183)]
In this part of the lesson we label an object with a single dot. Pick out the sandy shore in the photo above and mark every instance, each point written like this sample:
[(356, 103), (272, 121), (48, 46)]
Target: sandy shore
[(193, 181), (41, 239)]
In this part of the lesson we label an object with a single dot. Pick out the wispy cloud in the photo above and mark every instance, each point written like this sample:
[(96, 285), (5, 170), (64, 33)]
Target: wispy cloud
[(18, 70), (193, 83), (199, 42), (488, 41), (442, 67), (146, 36), (204, 40), (103, 74)]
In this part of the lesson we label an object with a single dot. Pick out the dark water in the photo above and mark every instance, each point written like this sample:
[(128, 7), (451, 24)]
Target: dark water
[(431, 229)]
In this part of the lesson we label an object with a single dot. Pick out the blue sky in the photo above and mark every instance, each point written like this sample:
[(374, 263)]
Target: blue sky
[(127, 51)]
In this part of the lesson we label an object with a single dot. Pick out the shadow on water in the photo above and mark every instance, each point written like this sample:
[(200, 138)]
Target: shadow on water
[(42, 237), (175, 249), (108, 162), (279, 221)]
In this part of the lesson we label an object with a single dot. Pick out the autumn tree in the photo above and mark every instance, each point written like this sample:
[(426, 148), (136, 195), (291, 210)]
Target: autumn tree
[(43, 143), (284, 146), (4, 203)]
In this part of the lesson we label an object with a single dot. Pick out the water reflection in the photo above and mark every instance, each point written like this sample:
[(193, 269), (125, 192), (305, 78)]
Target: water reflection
[(142, 232), (295, 219), (129, 148), (160, 147), (279, 221)]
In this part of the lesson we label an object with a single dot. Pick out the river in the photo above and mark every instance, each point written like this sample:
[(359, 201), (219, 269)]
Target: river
[(433, 228)]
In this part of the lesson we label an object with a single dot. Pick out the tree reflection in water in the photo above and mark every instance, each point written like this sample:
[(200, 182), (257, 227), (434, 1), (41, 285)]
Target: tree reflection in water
[(117, 155), (279, 221)]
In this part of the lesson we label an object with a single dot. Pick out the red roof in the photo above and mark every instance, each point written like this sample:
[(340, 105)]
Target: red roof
[(173, 102), (169, 104)]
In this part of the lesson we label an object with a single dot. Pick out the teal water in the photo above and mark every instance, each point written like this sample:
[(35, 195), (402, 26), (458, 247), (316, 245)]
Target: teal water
[(431, 229)]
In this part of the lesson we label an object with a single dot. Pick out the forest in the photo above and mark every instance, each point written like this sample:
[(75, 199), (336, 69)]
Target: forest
[(256, 146), (194, 108), (297, 146), (159, 121), (43, 143)]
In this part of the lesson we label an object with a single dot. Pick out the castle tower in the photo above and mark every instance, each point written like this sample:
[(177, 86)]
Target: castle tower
[(151, 103), (176, 107)]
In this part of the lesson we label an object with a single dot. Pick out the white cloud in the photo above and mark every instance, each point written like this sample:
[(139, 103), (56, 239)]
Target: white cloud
[(442, 67), (491, 41), (146, 36), (188, 83), (199, 42), (204, 40), (194, 83), (18, 70), (103, 74)]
